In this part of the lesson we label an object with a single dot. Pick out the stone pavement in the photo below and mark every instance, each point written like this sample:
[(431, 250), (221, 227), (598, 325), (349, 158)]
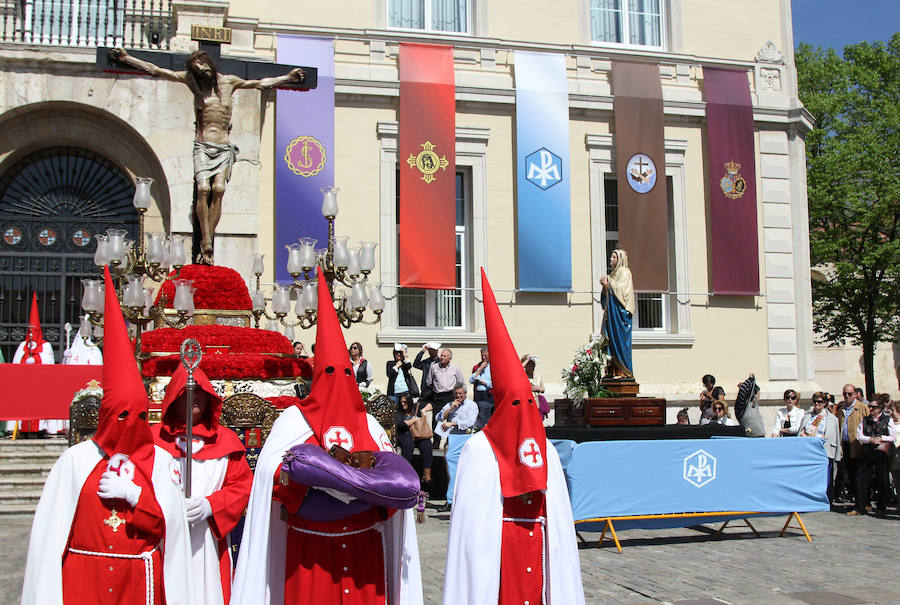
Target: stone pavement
[(681, 565)]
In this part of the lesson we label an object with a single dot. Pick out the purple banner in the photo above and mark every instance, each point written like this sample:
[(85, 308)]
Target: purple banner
[(733, 227), (304, 148)]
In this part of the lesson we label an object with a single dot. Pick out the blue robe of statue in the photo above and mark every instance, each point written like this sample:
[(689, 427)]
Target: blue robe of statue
[(617, 327)]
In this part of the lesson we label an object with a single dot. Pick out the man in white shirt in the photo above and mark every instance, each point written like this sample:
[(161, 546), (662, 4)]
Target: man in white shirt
[(787, 419), (455, 422)]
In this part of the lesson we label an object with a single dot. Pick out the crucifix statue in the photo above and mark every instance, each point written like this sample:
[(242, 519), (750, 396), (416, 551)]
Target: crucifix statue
[(214, 153)]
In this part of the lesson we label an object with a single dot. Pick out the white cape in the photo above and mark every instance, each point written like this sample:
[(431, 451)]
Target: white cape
[(472, 575), (56, 509), (83, 354), (207, 477), (259, 576)]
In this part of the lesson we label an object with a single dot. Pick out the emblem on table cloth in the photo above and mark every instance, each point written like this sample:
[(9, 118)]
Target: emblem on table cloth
[(305, 156), (699, 468), (530, 454), (733, 184), (12, 236), (427, 162), (544, 168), (114, 521), (641, 172), (122, 466), (340, 436)]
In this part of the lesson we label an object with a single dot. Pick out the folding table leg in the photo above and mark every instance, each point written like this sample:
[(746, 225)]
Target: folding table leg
[(612, 532), (802, 527)]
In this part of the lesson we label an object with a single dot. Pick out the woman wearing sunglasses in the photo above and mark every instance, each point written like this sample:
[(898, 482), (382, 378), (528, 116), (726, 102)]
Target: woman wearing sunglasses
[(787, 419)]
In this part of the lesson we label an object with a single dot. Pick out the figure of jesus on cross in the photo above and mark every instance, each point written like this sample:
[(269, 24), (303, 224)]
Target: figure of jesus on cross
[(214, 154)]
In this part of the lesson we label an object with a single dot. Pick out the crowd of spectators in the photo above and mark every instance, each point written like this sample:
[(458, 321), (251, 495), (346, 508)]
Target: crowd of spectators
[(859, 437)]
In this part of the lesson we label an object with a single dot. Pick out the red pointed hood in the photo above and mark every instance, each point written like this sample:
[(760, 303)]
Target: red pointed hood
[(218, 441), (177, 388), (34, 335), (334, 408), (122, 426), (515, 431)]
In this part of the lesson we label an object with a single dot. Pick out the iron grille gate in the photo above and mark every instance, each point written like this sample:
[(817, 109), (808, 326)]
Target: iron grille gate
[(52, 204)]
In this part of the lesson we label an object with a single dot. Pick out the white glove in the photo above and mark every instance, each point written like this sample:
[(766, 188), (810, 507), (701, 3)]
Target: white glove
[(114, 486), (198, 509)]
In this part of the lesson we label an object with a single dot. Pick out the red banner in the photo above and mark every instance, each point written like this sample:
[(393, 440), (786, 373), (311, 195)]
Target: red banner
[(733, 237), (36, 392), (427, 160)]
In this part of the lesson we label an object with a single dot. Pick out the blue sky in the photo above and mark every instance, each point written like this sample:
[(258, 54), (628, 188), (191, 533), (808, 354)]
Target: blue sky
[(837, 23)]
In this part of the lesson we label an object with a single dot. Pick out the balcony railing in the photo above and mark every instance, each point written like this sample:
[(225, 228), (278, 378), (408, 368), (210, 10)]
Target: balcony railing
[(131, 23)]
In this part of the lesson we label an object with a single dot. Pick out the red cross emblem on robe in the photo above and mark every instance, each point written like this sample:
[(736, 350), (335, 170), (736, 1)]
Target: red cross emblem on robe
[(340, 436), (529, 454), (122, 466)]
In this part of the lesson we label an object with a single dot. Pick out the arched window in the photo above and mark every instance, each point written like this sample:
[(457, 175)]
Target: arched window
[(52, 204)]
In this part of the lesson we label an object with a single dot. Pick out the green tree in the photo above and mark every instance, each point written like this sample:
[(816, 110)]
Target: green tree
[(853, 162)]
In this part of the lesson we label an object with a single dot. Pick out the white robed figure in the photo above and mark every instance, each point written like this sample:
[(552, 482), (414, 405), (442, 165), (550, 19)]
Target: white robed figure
[(512, 536)]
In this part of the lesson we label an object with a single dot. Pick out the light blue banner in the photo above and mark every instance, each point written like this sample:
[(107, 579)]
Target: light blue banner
[(623, 478), (544, 236)]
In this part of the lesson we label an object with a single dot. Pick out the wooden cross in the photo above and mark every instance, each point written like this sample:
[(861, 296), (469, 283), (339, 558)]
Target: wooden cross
[(243, 68)]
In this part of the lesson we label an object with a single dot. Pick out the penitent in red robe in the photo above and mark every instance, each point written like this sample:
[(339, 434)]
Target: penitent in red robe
[(113, 573), (522, 555), (338, 562)]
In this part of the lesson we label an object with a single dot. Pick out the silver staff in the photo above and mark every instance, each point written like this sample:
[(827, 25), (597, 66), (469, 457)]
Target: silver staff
[(190, 359)]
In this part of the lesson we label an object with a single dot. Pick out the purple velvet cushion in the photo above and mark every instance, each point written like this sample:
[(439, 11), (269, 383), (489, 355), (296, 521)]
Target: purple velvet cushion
[(324, 508), (391, 483)]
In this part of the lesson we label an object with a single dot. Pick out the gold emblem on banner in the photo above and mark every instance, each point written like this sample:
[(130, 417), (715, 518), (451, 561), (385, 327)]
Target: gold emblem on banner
[(733, 184), (427, 162), (305, 156)]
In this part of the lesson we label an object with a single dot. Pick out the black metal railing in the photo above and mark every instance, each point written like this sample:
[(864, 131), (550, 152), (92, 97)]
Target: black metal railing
[(131, 23)]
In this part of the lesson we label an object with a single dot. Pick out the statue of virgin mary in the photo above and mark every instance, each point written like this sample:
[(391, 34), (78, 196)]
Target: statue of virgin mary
[(618, 301)]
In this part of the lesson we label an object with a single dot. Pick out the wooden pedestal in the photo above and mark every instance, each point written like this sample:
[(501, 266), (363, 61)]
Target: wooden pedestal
[(624, 411), (612, 411)]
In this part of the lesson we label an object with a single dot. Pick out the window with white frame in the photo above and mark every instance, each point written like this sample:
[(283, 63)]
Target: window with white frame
[(628, 22), (432, 309), (430, 15), (651, 308)]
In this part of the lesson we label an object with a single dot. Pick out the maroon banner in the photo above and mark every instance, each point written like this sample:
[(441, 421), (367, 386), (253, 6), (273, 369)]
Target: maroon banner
[(733, 238), (427, 159), (641, 173), (36, 392)]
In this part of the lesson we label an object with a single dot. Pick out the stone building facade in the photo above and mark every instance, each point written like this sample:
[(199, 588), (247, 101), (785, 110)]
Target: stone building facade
[(53, 97)]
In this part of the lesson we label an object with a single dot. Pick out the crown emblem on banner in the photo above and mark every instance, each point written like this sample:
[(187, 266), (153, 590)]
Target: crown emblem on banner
[(427, 162), (733, 184)]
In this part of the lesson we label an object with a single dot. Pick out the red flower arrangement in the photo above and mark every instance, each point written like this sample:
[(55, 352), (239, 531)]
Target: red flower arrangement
[(283, 402), (250, 353), (234, 366), (237, 339), (216, 288)]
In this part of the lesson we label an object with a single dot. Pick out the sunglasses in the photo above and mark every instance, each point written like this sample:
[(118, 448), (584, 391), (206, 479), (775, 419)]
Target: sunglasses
[(718, 408), (791, 397), (849, 394), (818, 401)]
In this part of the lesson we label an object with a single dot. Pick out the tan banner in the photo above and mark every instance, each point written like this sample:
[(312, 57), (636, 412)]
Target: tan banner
[(641, 173)]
